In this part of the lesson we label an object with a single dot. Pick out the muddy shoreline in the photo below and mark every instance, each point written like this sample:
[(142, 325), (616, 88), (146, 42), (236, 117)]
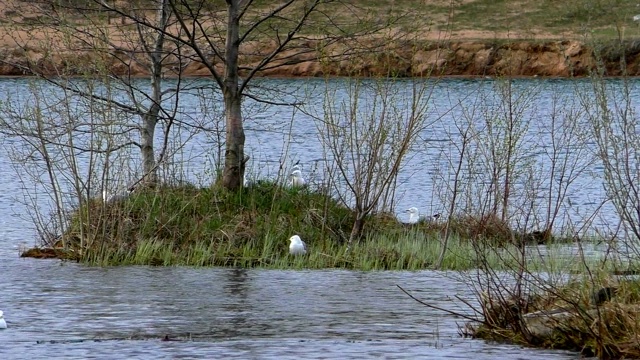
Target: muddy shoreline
[(464, 58)]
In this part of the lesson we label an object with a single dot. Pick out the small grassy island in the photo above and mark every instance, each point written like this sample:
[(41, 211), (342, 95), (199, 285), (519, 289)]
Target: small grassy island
[(193, 226)]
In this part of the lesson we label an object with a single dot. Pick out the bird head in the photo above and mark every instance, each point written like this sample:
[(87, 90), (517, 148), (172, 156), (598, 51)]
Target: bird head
[(412, 210)]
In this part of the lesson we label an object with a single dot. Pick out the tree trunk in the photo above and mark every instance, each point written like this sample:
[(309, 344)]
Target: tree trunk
[(356, 230), (147, 134), (150, 118), (234, 151)]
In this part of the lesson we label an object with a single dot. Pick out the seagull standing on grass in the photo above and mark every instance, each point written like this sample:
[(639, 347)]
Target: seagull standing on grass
[(3, 324), (414, 215), (111, 198), (297, 246), (296, 178)]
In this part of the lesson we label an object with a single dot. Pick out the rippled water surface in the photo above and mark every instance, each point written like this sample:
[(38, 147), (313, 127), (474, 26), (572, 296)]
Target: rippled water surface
[(60, 310)]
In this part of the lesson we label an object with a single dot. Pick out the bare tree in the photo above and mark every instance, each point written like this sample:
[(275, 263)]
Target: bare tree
[(234, 45), (63, 143), (79, 42), (501, 145), (463, 127), (569, 157), (82, 134), (614, 125), (234, 52), (367, 135)]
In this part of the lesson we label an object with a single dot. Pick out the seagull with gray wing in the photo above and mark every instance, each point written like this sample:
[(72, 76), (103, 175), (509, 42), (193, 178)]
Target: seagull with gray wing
[(297, 246)]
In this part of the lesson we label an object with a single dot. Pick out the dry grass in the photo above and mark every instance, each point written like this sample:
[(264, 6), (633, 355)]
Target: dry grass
[(439, 19), (566, 318)]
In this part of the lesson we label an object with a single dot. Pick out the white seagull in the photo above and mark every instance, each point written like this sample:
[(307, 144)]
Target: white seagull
[(3, 324), (414, 215), (111, 198), (296, 178), (297, 246)]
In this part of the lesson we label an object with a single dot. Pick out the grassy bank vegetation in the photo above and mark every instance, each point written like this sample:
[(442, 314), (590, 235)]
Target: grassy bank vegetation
[(186, 225)]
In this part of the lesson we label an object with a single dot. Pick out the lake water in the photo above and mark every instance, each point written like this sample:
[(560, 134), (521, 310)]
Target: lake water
[(68, 311), (64, 310)]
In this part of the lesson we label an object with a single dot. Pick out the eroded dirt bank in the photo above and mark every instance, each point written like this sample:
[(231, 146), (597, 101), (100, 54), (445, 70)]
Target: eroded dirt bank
[(453, 58)]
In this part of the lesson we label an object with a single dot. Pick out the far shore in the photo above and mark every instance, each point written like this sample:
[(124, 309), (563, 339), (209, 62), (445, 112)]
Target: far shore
[(451, 58)]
